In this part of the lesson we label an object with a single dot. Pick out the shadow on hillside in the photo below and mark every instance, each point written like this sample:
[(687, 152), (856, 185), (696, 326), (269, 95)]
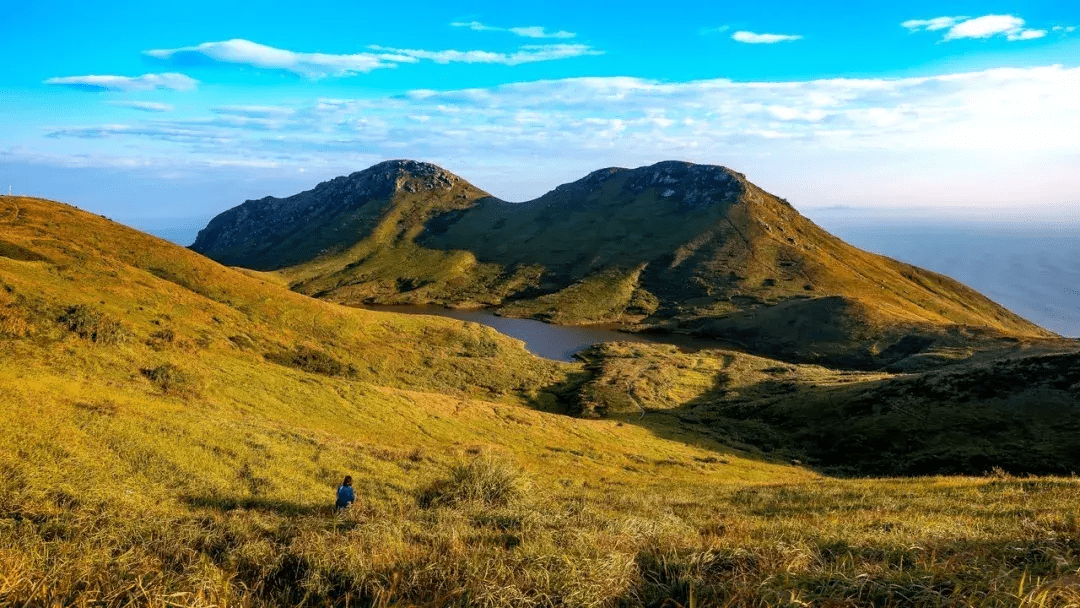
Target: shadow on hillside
[(278, 507), (695, 420), (561, 397), (1019, 417)]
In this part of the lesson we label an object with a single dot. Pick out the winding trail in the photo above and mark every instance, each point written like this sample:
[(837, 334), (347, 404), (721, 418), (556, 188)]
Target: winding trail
[(8, 207)]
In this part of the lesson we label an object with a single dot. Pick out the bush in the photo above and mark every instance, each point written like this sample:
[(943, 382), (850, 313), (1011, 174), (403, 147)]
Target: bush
[(480, 347), (170, 379), (161, 339), (313, 361), (13, 323), (483, 479), (94, 325)]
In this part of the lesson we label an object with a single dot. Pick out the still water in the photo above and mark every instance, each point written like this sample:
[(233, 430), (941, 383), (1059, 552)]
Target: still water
[(558, 342)]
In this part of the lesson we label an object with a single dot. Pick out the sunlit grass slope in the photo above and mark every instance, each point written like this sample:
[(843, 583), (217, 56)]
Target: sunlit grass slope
[(171, 432)]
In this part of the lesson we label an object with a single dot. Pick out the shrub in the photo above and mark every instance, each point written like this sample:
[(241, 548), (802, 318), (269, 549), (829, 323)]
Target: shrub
[(313, 361), (483, 479), (94, 325), (161, 338), (13, 323), (170, 379), (480, 347), (242, 341)]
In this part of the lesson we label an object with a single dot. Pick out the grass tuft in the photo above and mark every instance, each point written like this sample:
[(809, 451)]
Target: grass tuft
[(313, 361), (485, 479), (171, 379), (91, 324)]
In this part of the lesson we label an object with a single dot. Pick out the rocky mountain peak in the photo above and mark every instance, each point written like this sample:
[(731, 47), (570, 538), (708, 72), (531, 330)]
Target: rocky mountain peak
[(387, 177), (690, 184)]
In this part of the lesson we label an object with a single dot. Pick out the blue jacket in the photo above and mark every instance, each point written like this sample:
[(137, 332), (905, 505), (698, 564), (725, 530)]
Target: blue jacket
[(345, 497)]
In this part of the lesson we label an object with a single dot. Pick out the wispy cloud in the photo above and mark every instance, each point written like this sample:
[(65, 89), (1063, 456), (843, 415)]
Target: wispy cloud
[(715, 30), (320, 65), (1065, 29), (144, 106), (525, 54), (535, 31), (531, 31), (254, 111), (155, 131), (313, 65), (476, 26), (146, 82), (753, 38), (932, 25), (541, 132), (976, 111), (987, 26)]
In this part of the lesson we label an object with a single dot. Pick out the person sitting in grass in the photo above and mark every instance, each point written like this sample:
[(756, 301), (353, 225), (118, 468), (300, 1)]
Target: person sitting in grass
[(345, 494)]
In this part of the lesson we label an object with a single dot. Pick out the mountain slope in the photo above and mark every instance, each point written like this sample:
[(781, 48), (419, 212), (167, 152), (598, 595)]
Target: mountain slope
[(671, 247), (172, 430), (169, 420)]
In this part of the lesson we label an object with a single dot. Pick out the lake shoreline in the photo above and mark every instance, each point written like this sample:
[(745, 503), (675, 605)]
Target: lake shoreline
[(552, 340)]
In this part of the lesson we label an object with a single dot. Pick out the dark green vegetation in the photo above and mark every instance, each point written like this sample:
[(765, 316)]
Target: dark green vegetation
[(671, 247), (1017, 413)]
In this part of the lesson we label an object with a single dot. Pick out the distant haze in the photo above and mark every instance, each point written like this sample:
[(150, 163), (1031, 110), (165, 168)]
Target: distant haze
[(1031, 267)]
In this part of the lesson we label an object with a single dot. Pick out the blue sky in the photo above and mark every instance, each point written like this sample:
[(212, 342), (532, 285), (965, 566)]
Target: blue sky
[(180, 110)]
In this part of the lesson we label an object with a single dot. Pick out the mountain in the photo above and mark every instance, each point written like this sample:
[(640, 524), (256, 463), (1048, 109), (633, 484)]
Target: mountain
[(670, 247)]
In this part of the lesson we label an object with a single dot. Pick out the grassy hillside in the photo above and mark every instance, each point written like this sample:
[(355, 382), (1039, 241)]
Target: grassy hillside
[(1016, 412), (671, 247), (171, 432)]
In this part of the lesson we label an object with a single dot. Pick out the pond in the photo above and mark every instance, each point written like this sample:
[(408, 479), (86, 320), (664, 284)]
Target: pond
[(558, 342)]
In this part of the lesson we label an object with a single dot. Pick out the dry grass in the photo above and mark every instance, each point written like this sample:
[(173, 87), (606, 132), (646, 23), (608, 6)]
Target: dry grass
[(115, 490), (483, 479)]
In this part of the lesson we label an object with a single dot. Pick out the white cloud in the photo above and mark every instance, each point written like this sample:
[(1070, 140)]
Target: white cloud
[(146, 82), (1066, 29), (1025, 35), (931, 25), (525, 54), (476, 26), (319, 65), (752, 38), (531, 31), (535, 31), (178, 133), (312, 65), (144, 106), (1006, 110), (987, 26), (254, 111), (715, 30), (991, 126)]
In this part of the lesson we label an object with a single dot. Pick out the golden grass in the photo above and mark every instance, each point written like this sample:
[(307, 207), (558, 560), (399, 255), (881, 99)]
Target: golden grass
[(190, 466)]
